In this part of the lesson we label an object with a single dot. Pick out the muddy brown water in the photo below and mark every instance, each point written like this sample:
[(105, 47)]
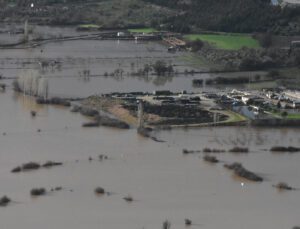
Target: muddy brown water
[(100, 58), (164, 183)]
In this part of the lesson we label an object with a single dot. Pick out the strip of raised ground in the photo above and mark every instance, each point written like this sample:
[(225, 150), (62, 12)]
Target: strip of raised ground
[(226, 41)]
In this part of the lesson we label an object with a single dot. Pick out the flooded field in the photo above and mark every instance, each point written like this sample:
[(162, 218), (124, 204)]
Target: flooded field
[(164, 183), (68, 60), (101, 58)]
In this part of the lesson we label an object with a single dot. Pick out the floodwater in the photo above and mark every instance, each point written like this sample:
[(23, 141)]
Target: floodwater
[(101, 58), (164, 183)]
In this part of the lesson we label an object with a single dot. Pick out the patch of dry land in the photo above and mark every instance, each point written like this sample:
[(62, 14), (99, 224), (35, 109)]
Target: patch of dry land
[(155, 112), (112, 106)]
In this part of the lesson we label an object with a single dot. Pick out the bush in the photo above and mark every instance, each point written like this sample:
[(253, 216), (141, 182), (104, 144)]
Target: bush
[(31, 166), (50, 164), (207, 150), (99, 190), (166, 225), (210, 159), (16, 170), (38, 192), (240, 171), (284, 114), (16, 86), (257, 77), (4, 201), (283, 186), (239, 150), (161, 68), (273, 74), (265, 40), (290, 149), (195, 45), (250, 64)]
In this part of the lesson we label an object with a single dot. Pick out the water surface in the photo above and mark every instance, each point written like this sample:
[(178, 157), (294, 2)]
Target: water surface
[(165, 184)]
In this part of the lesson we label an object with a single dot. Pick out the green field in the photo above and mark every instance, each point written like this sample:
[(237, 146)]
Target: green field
[(142, 30), (293, 116), (226, 41), (234, 117), (289, 116), (89, 26), (197, 60)]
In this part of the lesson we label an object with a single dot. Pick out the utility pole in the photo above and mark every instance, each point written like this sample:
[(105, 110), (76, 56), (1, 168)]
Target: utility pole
[(141, 115), (26, 31), (216, 118)]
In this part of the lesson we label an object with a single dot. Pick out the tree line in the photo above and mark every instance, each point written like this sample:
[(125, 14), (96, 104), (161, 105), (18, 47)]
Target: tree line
[(245, 16)]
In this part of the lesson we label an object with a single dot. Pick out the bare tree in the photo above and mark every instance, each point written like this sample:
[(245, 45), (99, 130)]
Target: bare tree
[(166, 225)]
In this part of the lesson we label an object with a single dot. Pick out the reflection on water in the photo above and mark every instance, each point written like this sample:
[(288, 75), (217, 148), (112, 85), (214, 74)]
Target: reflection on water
[(64, 64), (78, 87)]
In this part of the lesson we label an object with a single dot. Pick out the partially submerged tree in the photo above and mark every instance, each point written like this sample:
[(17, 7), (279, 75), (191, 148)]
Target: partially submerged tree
[(161, 68), (38, 192), (4, 201), (166, 224)]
